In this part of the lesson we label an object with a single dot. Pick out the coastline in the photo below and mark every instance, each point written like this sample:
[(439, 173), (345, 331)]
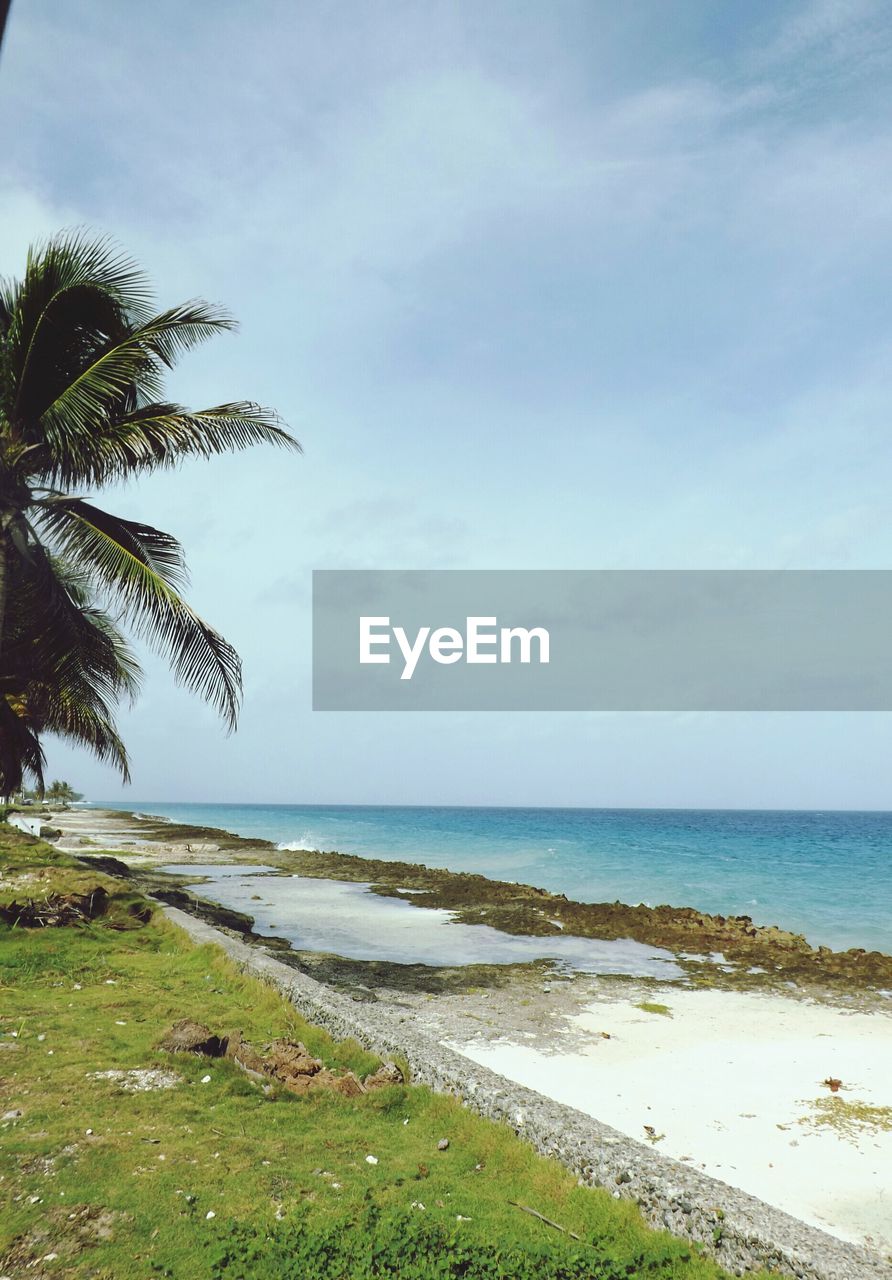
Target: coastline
[(725, 1066), (740, 1232), (715, 950), (824, 875)]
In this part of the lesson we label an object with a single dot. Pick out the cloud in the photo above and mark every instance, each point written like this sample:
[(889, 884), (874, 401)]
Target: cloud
[(838, 30), (535, 287)]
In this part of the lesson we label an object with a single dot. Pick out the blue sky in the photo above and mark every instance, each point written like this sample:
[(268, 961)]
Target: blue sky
[(578, 285)]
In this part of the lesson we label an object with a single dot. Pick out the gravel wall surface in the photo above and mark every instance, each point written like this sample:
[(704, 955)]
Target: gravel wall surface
[(741, 1232)]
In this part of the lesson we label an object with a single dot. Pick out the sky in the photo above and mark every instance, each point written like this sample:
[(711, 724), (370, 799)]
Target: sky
[(573, 286)]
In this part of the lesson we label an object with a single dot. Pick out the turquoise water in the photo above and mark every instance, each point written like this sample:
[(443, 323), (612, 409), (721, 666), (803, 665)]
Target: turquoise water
[(827, 875)]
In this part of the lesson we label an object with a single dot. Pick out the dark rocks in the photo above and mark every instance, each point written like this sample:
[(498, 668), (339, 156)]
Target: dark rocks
[(187, 1036), (387, 1074), (106, 863), (56, 910), (244, 1055), (287, 1060), (222, 917)]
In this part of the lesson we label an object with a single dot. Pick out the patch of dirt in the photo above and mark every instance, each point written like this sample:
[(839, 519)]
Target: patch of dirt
[(286, 1062), (56, 910), (140, 1080), (187, 1036), (62, 1235), (292, 1065), (387, 1074)]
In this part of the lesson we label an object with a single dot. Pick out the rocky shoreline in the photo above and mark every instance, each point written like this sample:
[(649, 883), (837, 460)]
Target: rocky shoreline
[(714, 950)]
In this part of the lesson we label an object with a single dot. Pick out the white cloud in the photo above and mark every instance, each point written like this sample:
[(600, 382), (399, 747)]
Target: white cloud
[(839, 29), (521, 311)]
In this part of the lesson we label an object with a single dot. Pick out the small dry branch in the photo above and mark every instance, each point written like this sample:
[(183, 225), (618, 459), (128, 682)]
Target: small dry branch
[(548, 1221)]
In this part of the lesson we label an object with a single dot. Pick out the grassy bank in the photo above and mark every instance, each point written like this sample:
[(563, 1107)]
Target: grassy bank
[(216, 1177)]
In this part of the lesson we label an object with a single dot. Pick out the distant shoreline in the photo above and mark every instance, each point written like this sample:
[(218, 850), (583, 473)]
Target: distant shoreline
[(826, 876), (782, 956), (145, 805)]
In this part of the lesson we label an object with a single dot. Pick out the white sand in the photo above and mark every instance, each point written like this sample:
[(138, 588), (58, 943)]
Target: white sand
[(726, 1079)]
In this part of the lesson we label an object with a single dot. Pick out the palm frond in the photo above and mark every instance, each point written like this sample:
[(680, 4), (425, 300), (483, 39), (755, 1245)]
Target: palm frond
[(160, 436), (65, 664), (55, 632), (123, 369), (82, 367), (172, 333), (73, 285), (136, 565), (88, 724), (159, 551)]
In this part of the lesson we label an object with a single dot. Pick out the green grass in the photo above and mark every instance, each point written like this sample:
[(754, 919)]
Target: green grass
[(221, 1179), (652, 1006)]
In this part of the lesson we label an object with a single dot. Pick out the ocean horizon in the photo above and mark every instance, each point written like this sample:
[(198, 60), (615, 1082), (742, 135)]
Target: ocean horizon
[(824, 873)]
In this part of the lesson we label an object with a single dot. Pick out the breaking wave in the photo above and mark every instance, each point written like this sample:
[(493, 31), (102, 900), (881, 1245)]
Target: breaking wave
[(294, 846)]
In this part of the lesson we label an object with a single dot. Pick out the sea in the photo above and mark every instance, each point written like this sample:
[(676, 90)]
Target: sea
[(827, 875)]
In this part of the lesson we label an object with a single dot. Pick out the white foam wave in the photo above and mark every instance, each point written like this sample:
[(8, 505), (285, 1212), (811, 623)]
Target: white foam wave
[(294, 846)]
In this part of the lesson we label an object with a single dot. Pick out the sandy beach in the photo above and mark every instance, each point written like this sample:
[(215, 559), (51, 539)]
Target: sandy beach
[(732, 1082), (729, 1081)]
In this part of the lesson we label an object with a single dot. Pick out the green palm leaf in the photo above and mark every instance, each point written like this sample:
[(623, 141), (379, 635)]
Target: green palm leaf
[(141, 566), (57, 634), (82, 367), (131, 364), (66, 666), (159, 436)]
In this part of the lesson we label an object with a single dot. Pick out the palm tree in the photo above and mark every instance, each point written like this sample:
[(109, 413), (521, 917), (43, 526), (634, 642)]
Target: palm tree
[(62, 792), (82, 362), (4, 14)]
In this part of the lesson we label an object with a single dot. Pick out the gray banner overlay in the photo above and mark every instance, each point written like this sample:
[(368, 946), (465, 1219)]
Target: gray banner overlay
[(602, 640)]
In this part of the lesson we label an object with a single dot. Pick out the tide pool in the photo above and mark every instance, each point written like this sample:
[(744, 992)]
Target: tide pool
[(827, 875)]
